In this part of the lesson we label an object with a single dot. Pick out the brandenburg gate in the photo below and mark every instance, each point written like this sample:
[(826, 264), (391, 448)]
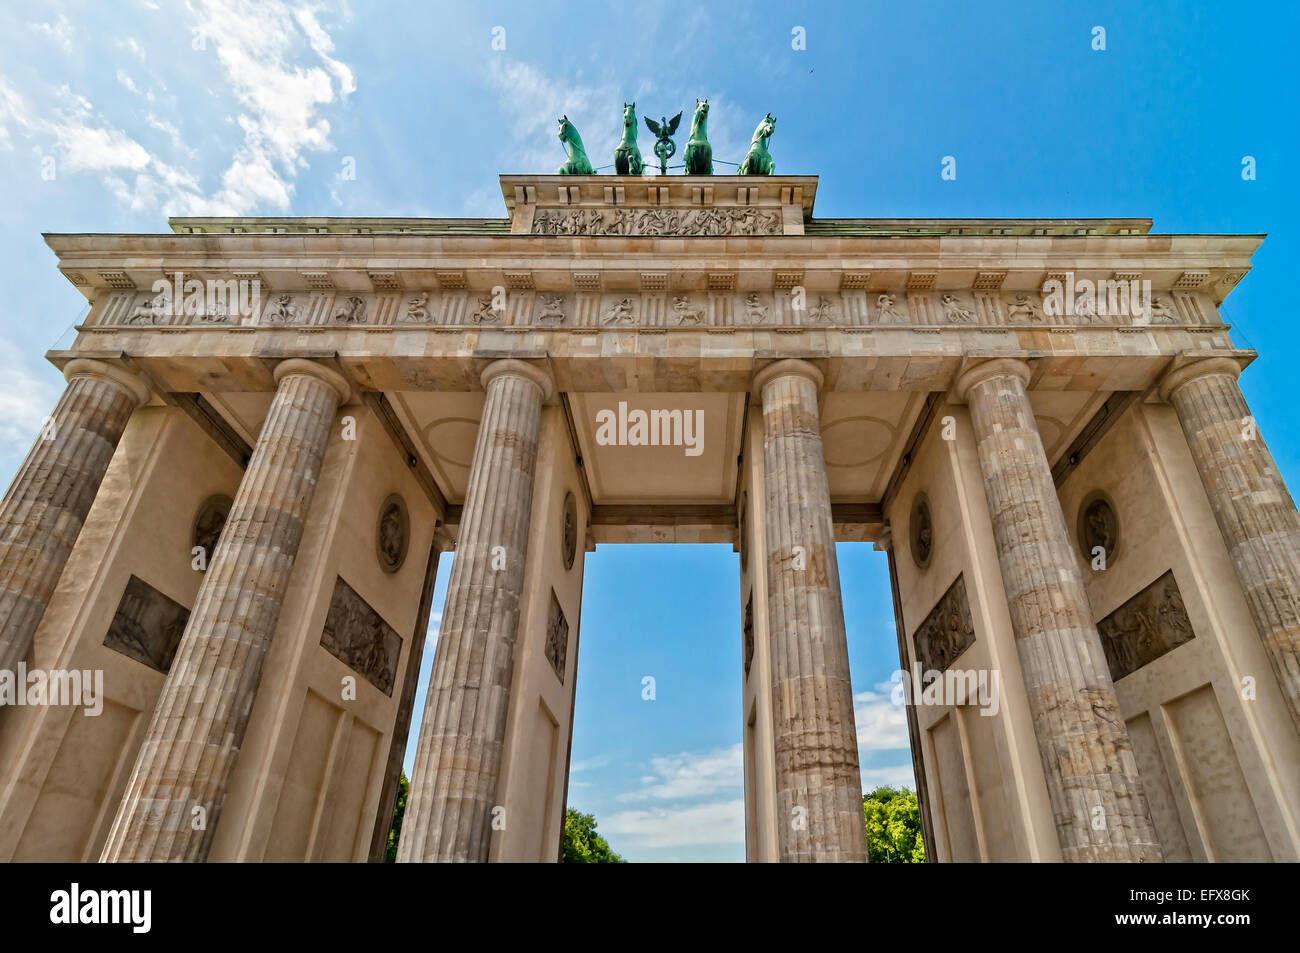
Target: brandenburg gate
[(237, 509)]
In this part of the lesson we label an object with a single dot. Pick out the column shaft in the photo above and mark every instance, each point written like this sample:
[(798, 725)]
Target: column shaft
[(1251, 504), (51, 495), (1100, 811), (199, 721), (818, 784), (449, 811)]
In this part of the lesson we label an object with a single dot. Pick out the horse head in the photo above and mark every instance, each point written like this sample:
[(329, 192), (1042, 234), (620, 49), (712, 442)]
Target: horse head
[(566, 127), (766, 127), (629, 114)]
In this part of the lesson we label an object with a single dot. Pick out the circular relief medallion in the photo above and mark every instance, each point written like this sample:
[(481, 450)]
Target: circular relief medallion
[(921, 531), (569, 539), (1098, 529), (392, 534), (209, 522)]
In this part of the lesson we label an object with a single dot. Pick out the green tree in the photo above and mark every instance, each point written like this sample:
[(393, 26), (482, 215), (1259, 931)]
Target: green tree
[(403, 788), (893, 820), (582, 845)]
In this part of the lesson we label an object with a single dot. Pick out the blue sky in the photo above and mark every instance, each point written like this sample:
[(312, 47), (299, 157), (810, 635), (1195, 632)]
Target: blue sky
[(264, 117)]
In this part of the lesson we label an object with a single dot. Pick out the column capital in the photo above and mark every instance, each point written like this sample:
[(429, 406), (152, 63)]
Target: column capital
[(1186, 373), (790, 367), (516, 368), (979, 371), (132, 383), (884, 540), (322, 373)]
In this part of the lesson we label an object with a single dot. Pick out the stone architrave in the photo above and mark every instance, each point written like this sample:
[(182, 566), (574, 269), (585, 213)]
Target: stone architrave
[(1100, 810), (449, 811), (47, 503), (818, 786), (1254, 510), (199, 721)]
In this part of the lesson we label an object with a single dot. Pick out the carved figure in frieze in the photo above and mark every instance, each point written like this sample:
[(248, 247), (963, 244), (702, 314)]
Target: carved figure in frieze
[(1024, 308), (550, 310), (887, 305), (145, 313), (352, 312), (824, 313), (485, 313), (755, 310), (282, 310), (622, 312), (684, 313), (417, 311), (954, 312), (217, 314), (1162, 310)]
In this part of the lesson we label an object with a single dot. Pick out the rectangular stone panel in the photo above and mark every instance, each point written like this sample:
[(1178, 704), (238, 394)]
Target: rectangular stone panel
[(1145, 627), (358, 636), (954, 792), (296, 820), (947, 631), (1215, 782), (147, 625), (1160, 795)]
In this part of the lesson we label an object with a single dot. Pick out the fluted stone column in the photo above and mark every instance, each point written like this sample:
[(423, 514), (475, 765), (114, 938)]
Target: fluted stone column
[(1255, 513), (1082, 739), (47, 502), (818, 785), (199, 721), (449, 811)]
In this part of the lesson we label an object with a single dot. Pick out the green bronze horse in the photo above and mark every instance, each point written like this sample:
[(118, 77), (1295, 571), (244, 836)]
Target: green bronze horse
[(627, 157), (698, 156), (578, 163), (758, 161)]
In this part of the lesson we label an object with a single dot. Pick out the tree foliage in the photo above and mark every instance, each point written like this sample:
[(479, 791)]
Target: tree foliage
[(582, 845), (403, 788), (893, 820)]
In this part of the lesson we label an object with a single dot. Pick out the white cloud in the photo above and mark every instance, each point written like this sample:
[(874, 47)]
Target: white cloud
[(713, 822), (691, 775), (533, 101), (132, 46), (894, 775), (25, 402), (882, 725), (59, 32), (258, 46)]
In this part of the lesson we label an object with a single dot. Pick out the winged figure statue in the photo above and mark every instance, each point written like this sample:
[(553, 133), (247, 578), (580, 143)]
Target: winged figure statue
[(664, 145)]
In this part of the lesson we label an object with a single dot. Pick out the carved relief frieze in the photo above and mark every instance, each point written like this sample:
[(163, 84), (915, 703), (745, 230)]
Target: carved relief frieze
[(643, 309), (745, 220), (557, 638), (946, 632), (358, 636), (147, 625), (1147, 626)]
